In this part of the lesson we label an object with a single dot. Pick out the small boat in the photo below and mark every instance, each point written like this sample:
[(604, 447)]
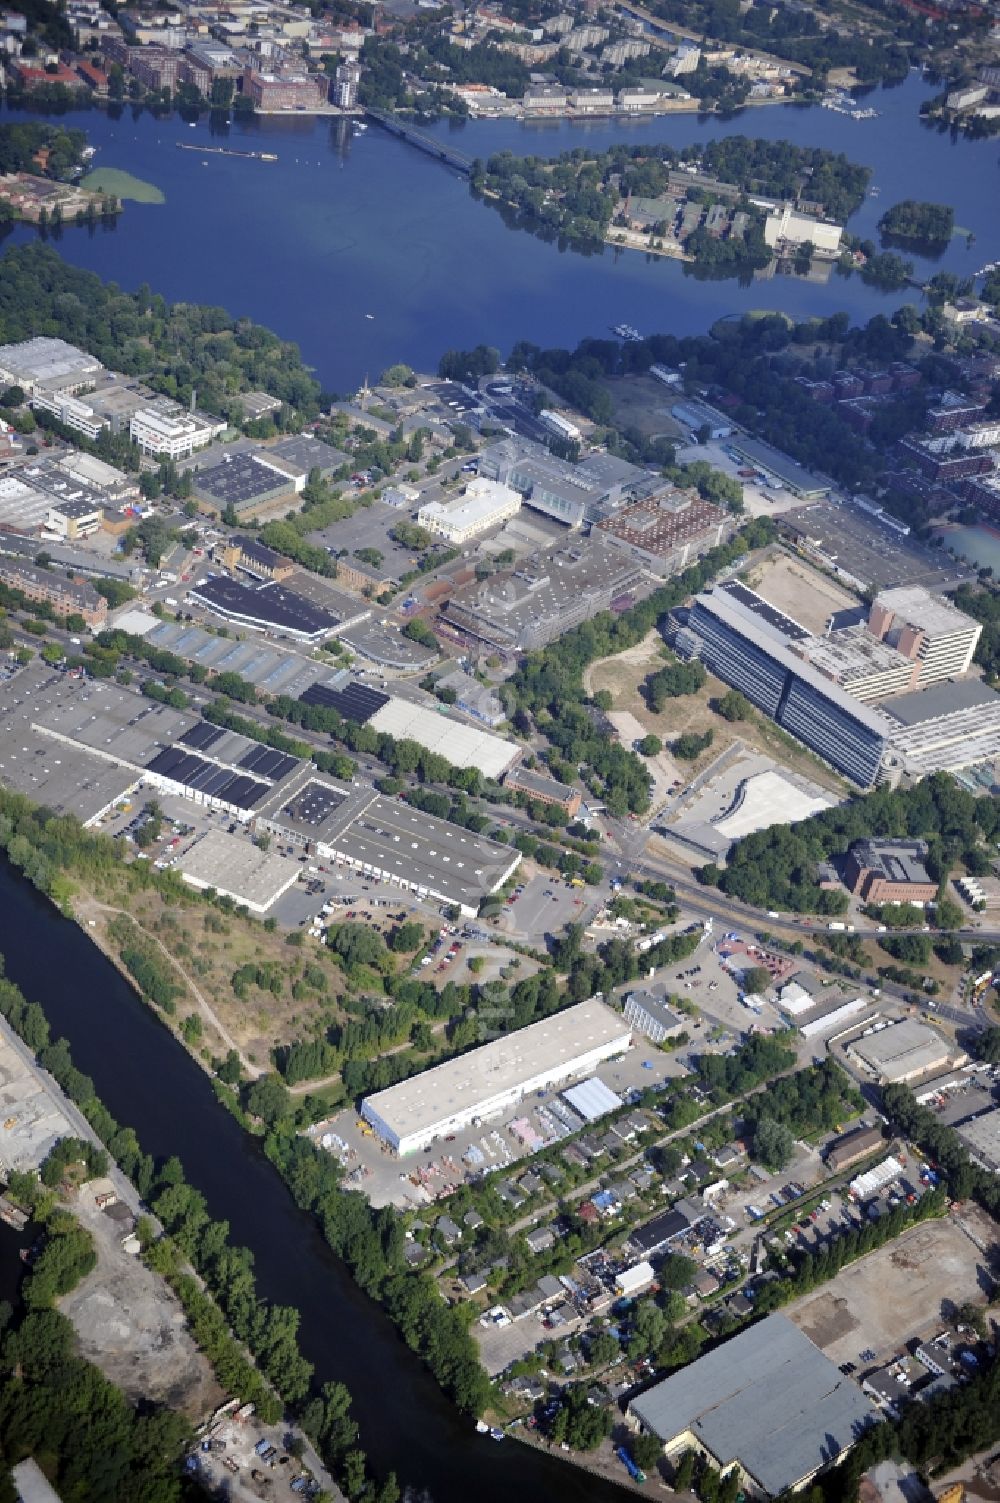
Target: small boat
[(370, 316), (482, 1428), (496, 1433), (192, 125)]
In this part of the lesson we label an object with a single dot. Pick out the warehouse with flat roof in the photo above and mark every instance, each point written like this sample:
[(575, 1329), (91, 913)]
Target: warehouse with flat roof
[(772, 462), (767, 1402), (237, 869), (488, 1081), (905, 1051), (267, 608)]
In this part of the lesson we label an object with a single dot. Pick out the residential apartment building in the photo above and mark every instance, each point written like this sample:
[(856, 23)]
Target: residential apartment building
[(285, 93), (66, 596)]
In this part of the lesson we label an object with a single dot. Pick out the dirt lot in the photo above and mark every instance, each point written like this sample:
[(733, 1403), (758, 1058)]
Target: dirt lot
[(798, 590), (623, 676), (644, 403), (129, 1324), (906, 1289)]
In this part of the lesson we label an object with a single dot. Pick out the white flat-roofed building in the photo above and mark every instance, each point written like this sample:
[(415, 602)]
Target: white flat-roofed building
[(786, 226), (236, 868), (486, 1082), (166, 428), (832, 1019), (463, 745), (75, 412), (483, 504)]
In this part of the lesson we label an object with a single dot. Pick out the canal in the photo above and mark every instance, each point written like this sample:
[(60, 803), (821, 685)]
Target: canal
[(150, 1083), (365, 251)]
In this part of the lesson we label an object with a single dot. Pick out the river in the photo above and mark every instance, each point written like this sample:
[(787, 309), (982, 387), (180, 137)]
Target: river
[(148, 1081), (348, 225)]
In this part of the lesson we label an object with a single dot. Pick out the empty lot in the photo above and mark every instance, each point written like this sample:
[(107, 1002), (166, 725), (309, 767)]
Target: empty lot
[(905, 1289)]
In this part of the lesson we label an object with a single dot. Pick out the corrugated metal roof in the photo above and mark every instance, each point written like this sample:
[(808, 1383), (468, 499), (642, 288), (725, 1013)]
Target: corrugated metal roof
[(768, 1398)]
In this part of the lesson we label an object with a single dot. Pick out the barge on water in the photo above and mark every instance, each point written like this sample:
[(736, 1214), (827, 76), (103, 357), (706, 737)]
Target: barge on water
[(227, 151)]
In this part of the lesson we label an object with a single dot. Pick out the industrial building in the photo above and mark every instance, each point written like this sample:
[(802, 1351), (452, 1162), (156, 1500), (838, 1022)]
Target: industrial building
[(545, 595), (237, 869), (42, 365), (167, 430), (386, 840), (832, 1017), (699, 416), (668, 530), (483, 504), (777, 465), (981, 1137), (863, 665), (852, 1147), (889, 871), (786, 228), (243, 482), (752, 646), (766, 1401), (462, 745), (927, 629), (649, 1015), (79, 745), (485, 1083), (904, 1051), (426, 723), (268, 608), (575, 494), (268, 666)]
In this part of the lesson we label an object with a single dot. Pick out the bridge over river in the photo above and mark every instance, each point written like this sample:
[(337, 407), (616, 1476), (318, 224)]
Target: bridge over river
[(422, 141)]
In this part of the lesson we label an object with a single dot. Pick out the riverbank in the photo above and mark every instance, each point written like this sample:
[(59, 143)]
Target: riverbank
[(150, 1085)]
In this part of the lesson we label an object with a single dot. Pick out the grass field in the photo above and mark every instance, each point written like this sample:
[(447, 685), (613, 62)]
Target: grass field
[(122, 185), (623, 675)]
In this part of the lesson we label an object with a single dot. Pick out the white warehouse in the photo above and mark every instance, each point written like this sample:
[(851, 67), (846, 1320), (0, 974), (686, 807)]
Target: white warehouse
[(486, 1082)]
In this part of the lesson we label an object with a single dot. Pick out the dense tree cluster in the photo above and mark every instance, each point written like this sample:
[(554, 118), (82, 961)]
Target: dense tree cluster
[(923, 223), (173, 348), (577, 194), (776, 868), (672, 682)]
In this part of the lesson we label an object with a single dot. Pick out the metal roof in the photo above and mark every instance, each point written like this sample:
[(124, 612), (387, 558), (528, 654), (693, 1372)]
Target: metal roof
[(767, 1398)]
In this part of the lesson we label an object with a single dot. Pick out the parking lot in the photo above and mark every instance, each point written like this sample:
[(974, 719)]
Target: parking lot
[(544, 904), (370, 527)]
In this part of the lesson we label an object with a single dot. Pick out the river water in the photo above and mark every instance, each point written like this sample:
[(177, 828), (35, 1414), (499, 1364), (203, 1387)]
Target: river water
[(345, 225), (148, 1081)]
